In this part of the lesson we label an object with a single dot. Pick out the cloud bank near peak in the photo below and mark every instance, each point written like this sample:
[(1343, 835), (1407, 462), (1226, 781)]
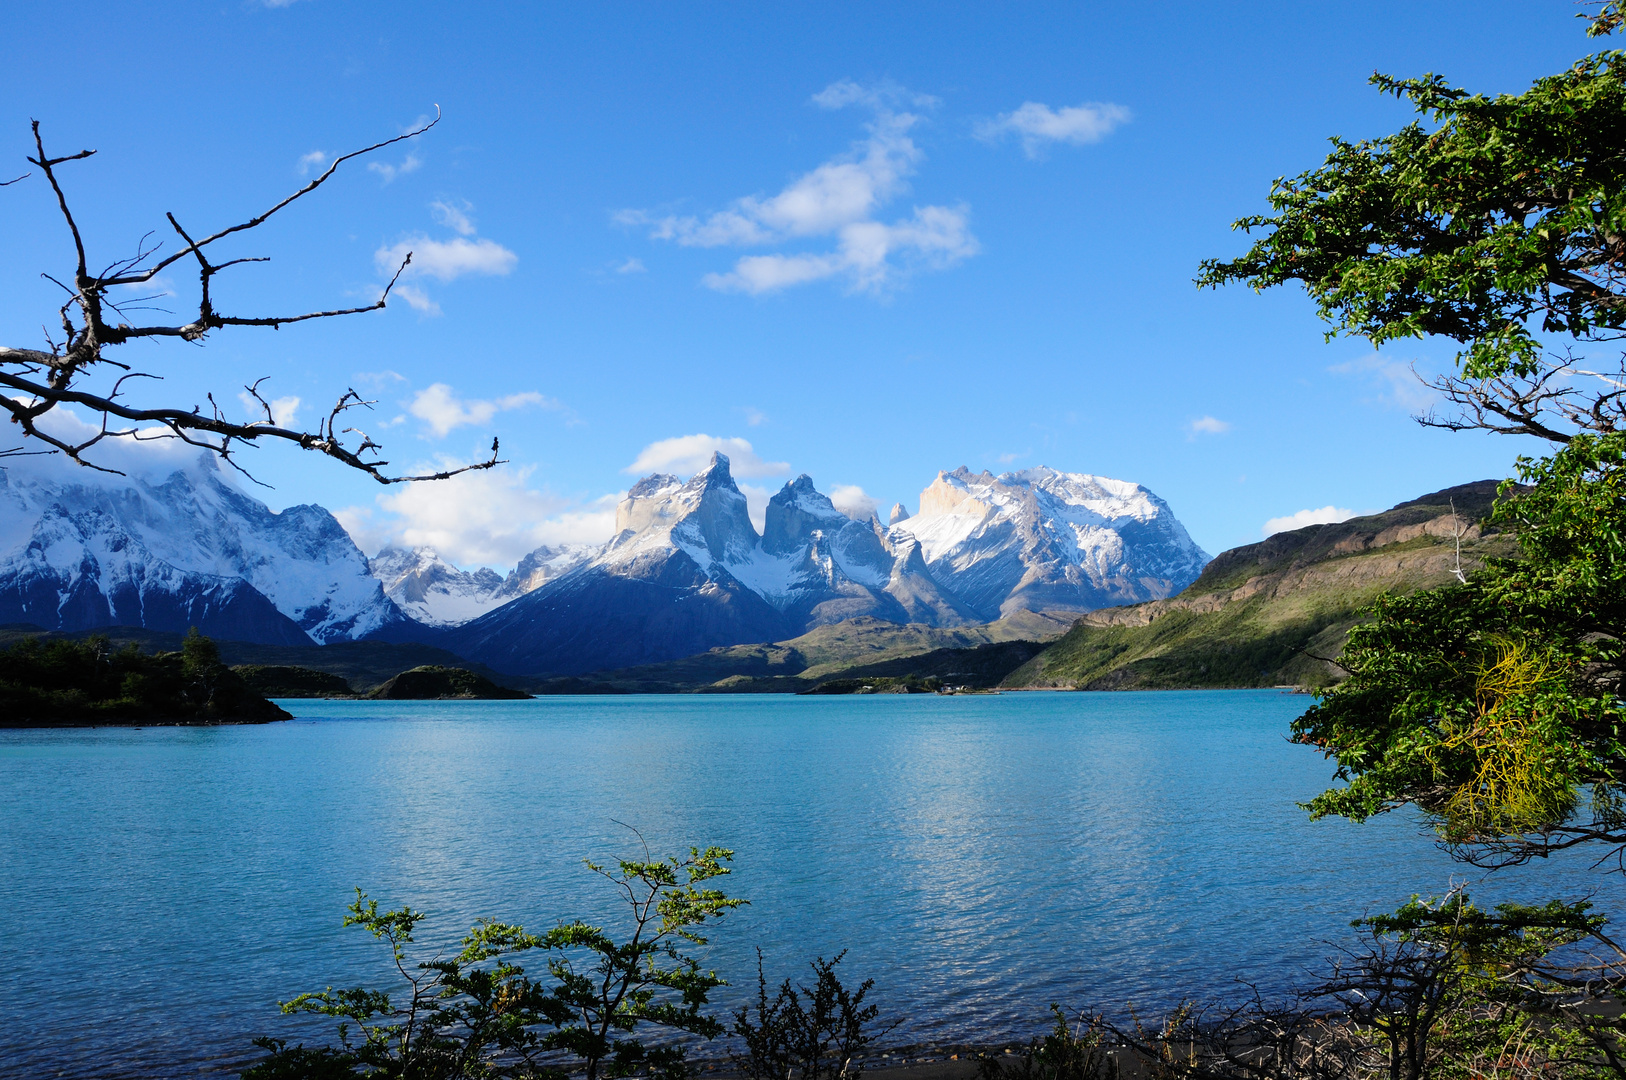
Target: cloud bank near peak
[(686, 455)]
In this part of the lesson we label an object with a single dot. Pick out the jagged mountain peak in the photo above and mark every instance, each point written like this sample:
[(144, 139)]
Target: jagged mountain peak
[(899, 513), (798, 513), (706, 518), (716, 474)]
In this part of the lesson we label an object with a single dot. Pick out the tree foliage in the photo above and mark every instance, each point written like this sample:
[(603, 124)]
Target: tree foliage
[(1439, 988), (808, 1032), (61, 682), (1499, 224), (1496, 705), (1504, 219), (479, 1015)]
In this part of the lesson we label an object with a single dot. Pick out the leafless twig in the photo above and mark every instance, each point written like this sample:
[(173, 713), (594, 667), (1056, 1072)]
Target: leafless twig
[(33, 381)]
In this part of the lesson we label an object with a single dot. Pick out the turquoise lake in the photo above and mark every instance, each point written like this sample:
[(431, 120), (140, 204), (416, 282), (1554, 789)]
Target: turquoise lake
[(161, 889)]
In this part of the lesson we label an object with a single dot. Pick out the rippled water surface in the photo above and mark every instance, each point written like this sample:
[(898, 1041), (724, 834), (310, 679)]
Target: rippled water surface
[(161, 889)]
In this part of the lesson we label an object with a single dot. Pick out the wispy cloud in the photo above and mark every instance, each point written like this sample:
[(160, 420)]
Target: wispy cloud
[(1206, 425), (631, 266), (1327, 515), (446, 260), (1039, 125), (688, 454), (313, 160), (442, 410), (454, 215), (1396, 385), (409, 164), (839, 199), (755, 417), (443, 260)]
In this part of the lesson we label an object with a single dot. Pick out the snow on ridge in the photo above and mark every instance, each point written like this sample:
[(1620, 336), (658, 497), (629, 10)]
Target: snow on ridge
[(188, 518)]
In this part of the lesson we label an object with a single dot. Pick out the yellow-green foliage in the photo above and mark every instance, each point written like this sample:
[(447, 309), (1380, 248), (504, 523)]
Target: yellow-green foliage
[(1518, 777)]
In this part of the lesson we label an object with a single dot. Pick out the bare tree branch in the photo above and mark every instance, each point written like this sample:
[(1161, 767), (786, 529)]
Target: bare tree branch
[(40, 380)]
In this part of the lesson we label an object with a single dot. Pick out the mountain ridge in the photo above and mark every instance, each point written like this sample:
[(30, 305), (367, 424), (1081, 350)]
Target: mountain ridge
[(1276, 612), (686, 568)]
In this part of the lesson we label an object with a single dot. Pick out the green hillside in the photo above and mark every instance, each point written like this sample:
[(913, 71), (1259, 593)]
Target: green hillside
[(838, 649), (1277, 612)]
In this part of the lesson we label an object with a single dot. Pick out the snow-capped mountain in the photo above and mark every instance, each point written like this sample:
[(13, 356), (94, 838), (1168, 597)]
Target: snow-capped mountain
[(686, 571), (664, 586), (436, 593), (432, 590), (1043, 540), (176, 544)]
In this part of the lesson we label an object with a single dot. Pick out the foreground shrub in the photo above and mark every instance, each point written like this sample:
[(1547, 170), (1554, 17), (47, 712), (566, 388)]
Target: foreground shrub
[(479, 1015), (811, 1032)]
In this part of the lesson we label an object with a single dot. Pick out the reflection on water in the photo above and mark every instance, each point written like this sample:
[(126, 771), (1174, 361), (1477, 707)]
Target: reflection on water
[(980, 857)]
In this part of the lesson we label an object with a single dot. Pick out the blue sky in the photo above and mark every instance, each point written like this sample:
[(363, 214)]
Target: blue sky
[(862, 241)]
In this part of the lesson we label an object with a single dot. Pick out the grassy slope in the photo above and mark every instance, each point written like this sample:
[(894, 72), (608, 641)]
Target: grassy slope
[(824, 652), (1272, 613)]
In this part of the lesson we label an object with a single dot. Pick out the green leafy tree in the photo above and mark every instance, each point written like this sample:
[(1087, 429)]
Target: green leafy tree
[(472, 1016), (478, 1015), (1499, 223)]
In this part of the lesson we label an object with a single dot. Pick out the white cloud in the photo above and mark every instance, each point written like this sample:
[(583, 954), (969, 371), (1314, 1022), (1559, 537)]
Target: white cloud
[(284, 410), (1017, 455), (487, 518), (313, 160), (1206, 425), (417, 299), (887, 95), (443, 260), (631, 266), (441, 408), (755, 417), (1327, 515), (446, 260), (1398, 385), (853, 501), (840, 200), (389, 172), (452, 216), (689, 454), (1038, 124)]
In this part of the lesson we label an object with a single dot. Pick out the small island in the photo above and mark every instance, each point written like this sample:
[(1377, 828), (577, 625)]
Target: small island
[(434, 683), (87, 683)]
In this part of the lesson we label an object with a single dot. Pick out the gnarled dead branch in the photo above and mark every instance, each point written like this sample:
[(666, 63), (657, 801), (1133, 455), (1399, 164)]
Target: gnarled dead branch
[(35, 381)]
